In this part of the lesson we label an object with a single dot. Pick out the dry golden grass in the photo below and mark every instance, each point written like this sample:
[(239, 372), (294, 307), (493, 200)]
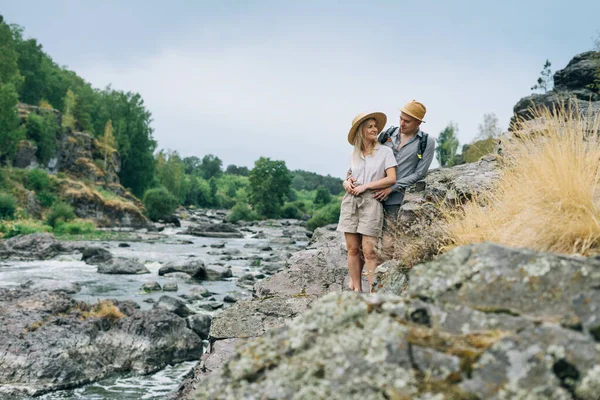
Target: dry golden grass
[(549, 195), (104, 309)]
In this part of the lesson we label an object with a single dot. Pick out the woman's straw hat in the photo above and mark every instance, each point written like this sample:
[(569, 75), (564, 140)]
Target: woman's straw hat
[(379, 117), (414, 109)]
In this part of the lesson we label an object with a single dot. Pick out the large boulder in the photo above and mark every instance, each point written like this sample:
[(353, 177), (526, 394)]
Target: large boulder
[(194, 268), (49, 341), (122, 266), (40, 246), (481, 322)]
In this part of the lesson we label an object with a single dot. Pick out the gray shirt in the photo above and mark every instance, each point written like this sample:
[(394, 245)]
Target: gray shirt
[(409, 168)]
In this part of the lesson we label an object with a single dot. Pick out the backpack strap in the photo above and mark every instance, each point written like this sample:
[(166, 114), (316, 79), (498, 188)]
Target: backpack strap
[(422, 145), (385, 135)]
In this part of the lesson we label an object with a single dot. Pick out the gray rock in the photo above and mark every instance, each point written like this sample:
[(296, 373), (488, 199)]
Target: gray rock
[(95, 255), (170, 287), (32, 205), (200, 323), (194, 268), (39, 246), (123, 266), (253, 318), (214, 230), (179, 275), (219, 245), (49, 341), (587, 308), (317, 270), (151, 287), (52, 285), (196, 293), (173, 305), (217, 272)]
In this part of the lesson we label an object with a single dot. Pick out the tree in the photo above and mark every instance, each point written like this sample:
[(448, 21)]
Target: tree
[(170, 172), (269, 183), (211, 166), (192, 165), (68, 121), (322, 197), (42, 130), (235, 170), (447, 145), (489, 128), (544, 82), (109, 143), (9, 70), (10, 132)]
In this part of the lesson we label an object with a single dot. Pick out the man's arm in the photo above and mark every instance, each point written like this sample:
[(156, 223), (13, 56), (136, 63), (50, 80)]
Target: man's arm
[(420, 170)]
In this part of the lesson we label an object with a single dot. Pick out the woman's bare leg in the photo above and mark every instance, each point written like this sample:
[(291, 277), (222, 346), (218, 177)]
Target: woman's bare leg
[(354, 262), (369, 244)]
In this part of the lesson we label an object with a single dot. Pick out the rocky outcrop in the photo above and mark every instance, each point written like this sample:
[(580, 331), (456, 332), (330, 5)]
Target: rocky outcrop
[(39, 246), (90, 204), (49, 342), (481, 322), (571, 82)]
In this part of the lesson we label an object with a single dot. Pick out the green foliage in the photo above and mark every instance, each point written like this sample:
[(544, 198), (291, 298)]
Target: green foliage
[(59, 212), (159, 203), (329, 214), (42, 130), (447, 145), (68, 121), (10, 133), (37, 179), (291, 210), (210, 166), (241, 212), (544, 81), (322, 197), (192, 165), (199, 193), (8, 205), (304, 180), (170, 172), (9, 70), (76, 227), (269, 183), (235, 170), (22, 227), (478, 149), (46, 198)]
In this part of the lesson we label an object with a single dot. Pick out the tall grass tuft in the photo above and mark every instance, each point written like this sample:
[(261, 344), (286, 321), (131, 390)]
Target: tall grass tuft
[(548, 198)]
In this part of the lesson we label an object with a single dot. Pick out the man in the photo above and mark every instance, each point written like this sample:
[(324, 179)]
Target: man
[(412, 165)]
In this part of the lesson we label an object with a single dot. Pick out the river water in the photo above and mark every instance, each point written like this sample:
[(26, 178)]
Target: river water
[(154, 251)]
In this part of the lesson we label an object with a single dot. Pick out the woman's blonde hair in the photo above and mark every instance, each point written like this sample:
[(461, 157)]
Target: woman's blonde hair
[(360, 142)]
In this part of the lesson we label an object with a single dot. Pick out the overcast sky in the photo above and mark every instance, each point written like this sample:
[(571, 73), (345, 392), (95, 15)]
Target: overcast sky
[(283, 79)]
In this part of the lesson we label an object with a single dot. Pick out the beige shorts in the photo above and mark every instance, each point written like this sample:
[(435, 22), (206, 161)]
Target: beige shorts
[(361, 214)]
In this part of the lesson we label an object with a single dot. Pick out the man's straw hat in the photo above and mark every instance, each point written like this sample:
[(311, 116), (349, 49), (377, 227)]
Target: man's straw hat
[(414, 109), (380, 120)]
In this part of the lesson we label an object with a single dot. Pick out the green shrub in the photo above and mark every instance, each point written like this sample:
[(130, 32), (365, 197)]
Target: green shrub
[(8, 205), (242, 212), (59, 212), (322, 196), (42, 129), (329, 214), (290, 210), (159, 203), (479, 149), (22, 227), (37, 180), (77, 227), (45, 198)]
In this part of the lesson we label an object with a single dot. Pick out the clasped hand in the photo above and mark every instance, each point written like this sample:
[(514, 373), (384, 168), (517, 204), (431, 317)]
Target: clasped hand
[(351, 187)]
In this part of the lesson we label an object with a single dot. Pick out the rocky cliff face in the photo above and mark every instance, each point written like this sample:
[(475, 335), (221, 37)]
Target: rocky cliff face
[(87, 163), (572, 82)]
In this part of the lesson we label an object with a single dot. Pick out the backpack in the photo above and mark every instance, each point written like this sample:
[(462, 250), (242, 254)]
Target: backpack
[(383, 137)]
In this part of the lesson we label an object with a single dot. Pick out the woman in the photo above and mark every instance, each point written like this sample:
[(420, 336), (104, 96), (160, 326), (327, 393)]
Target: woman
[(372, 166)]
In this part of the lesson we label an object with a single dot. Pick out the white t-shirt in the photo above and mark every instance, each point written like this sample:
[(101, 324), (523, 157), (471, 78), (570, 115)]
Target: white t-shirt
[(372, 167)]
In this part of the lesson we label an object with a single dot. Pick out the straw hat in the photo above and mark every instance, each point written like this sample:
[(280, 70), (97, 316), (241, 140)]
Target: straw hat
[(414, 109), (379, 117)]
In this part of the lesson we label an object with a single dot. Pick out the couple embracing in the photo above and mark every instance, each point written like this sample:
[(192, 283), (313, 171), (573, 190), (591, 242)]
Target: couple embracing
[(382, 166)]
